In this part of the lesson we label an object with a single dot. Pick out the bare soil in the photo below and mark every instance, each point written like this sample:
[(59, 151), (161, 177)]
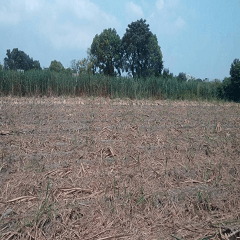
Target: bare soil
[(85, 168)]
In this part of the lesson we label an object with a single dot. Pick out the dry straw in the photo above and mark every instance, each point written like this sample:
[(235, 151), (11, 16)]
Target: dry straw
[(82, 168)]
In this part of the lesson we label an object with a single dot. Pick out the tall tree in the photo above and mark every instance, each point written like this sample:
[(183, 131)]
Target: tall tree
[(142, 55), (17, 59), (105, 52), (235, 80)]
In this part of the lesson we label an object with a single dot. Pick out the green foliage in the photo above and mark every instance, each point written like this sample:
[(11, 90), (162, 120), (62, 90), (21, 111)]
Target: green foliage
[(235, 80), (36, 65), (52, 83), (83, 66), (56, 66), (68, 70), (229, 89), (74, 66), (138, 53), (105, 52), (142, 56), (166, 73), (235, 70), (182, 77), (154, 60), (1, 67), (19, 60), (223, 89)]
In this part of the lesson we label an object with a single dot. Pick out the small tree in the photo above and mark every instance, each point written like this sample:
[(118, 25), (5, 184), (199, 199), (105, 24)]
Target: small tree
[(166, 73), (74, 66), (182, 77), (56, 66), (36, 65), (225, 91), (68, 70), (19, 60), (83, 66)]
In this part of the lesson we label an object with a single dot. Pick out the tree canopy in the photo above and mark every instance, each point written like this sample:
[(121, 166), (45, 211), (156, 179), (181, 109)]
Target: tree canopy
[(105, 52), (142, 55), (17, 59), (56, 66)]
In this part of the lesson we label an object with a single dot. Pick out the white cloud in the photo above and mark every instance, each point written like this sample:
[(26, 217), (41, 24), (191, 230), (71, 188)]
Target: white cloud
[(87, 20), (8, 18), (83, 9), (160, 4), (12, 12), (33, 5), (67, 36), (171, 3), (166, 4), (133, 11), (69, 24), (180, 23), (169, 20)]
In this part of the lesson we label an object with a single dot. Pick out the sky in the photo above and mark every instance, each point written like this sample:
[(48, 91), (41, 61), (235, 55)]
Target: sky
[(200, 38)]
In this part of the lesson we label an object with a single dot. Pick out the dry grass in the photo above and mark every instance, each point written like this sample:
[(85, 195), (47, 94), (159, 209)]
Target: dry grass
[(75, 168)]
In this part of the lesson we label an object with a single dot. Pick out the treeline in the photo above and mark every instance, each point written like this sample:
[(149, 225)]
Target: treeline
[(137, 54), (57, 81)]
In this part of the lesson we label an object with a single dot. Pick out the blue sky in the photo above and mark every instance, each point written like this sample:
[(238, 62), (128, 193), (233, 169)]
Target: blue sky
[(196, 37)]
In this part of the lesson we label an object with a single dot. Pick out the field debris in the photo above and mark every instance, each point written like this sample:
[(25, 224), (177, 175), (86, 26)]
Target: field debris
[(85, 168)]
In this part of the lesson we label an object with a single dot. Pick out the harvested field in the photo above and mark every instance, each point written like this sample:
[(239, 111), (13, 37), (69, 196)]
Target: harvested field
[(84, 168)]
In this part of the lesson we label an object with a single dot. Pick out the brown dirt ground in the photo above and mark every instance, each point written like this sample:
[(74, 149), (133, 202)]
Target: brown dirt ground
[(85, 168)]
